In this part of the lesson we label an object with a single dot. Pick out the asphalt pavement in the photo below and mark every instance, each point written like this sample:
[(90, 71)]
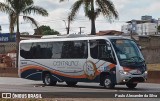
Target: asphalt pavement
[(8, 84)]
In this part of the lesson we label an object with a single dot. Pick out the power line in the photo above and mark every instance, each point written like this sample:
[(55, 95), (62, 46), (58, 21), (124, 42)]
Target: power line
[(77, 20)]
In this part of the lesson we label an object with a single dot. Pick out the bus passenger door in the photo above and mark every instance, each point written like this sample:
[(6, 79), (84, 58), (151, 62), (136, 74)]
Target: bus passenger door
[(102, 56)]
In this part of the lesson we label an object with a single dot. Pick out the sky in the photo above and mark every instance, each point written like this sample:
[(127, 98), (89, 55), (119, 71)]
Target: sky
[(58, 13)]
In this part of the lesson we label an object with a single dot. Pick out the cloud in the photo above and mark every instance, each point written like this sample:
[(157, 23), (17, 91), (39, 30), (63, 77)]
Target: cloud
[(134, 10), (128, 10)]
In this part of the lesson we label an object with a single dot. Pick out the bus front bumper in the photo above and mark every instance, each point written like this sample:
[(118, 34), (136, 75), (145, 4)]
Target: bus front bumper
[(132, 78)]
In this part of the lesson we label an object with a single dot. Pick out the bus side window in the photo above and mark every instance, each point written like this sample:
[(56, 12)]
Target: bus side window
[(67, 49), (85, 49), (98, 50), (74, 50), (33, 51), (24, 50), (46, 53), (38, 52), (56, 50), (80, 49), (94, 49)]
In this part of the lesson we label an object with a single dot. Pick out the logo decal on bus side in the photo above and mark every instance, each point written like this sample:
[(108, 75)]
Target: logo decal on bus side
[(90, 70)]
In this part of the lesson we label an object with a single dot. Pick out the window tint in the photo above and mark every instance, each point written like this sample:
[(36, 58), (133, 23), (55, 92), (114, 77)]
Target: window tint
[(46, 50), (54, 50), (98, 50), (74, 49)]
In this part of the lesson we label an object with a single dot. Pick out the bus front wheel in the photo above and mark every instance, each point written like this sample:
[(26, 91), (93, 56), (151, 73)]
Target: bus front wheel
[(48, 81), (69, 83), (107, 82), (131, 85)]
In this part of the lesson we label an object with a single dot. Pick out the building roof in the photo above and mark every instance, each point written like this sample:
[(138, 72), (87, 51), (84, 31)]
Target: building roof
[(109, 32), (24, 37), (138, 21)]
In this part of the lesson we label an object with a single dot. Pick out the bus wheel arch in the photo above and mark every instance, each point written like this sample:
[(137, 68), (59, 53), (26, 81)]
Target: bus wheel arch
[(71, 83), (131, 85), (106, 80), (48, 79)]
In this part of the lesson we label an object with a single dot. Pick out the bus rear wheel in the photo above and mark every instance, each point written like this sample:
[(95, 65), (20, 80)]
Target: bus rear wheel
[(69, 83), (107, 82), (48, 81), (131, 85)]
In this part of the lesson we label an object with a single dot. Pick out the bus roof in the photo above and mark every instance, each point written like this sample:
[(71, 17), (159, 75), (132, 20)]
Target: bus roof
[(72, 38)]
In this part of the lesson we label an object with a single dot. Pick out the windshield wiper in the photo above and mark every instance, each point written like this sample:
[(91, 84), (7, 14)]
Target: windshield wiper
[(136, 59), (127, 61)]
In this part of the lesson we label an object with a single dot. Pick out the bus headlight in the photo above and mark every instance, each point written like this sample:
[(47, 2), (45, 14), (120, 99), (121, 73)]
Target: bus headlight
[(146, 72), (123, 72)]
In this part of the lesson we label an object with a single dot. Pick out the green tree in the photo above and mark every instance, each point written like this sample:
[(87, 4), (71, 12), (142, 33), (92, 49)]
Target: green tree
[(17, 8), (46, 30), (104, 7)]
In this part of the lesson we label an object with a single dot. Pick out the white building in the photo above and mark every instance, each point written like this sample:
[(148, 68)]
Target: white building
[(147, 29), (141, 27)]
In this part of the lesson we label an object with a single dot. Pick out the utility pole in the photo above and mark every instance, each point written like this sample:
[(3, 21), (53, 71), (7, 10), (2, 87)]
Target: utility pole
[(67, 27), (69, 21), (81, 29), (0, 28)]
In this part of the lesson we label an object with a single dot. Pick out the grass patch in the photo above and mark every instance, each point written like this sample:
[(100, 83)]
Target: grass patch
[(153, 67)]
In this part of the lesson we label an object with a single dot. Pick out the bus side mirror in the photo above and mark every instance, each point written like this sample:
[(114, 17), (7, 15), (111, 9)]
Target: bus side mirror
[(108, 49)]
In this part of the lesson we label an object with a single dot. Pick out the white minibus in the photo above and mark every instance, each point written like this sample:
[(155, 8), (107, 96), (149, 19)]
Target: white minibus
[(107, 60)]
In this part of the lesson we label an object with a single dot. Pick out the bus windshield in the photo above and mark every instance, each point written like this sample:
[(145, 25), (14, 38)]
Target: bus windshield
[(127, 52)]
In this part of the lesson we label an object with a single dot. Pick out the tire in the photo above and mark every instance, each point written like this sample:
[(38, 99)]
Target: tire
[(69, 83), (48, 80), (107, 82), (131, 85)]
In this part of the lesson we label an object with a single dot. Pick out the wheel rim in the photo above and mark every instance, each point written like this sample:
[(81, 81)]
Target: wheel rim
[(107, 82), (47, 80)]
